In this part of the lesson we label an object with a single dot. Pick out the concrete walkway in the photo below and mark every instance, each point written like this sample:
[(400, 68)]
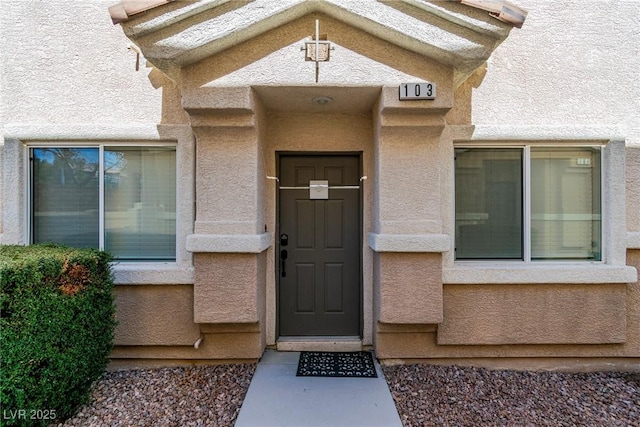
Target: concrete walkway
[(277, 398)]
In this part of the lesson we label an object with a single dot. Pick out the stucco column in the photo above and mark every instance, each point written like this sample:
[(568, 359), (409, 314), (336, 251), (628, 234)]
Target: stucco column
[(229, 242), (408, 242), (227, 160)]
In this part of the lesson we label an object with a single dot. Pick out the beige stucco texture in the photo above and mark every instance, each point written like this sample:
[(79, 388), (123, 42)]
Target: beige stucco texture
[(229, 288), (533, 314), (226, 182), (633, 188), (228, 343), (633, 302), (155, 315), (408, 177), (410, 288), (156, 322), (592, 325)]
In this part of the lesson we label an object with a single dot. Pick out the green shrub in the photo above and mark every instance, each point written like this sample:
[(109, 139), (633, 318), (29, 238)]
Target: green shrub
[(56, 330)]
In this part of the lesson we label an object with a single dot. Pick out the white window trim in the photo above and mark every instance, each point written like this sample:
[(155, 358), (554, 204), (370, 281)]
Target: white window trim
[(611, 269), (526, 203)]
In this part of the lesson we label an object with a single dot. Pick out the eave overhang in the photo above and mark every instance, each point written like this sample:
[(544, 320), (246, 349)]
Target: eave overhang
[(175, 34)]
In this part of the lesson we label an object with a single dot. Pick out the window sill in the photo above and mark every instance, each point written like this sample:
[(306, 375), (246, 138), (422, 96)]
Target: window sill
[(152, 273), (409, 242), (520, 273), (229, 243)]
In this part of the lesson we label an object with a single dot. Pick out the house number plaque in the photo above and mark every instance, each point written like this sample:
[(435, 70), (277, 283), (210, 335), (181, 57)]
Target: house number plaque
[(416, 91)]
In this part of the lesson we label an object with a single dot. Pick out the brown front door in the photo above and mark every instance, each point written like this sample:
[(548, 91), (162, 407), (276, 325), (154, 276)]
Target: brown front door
[(319, 246)]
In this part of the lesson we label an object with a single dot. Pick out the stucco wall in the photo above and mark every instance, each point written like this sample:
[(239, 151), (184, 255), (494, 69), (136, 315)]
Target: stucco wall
[(570, 72), (633, 188), (65, 62), (559, 69), (155, 315), (574, 62), (534, 314)]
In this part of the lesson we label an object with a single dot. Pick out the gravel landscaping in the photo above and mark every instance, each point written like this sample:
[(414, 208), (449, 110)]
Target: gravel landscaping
[(428, 395), (190, 396), (425, 395)]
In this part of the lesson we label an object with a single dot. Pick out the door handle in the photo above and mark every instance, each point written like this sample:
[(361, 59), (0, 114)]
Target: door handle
[(283, 262)]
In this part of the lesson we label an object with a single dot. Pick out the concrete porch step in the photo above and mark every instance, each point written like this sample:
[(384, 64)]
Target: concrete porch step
[(329, 343)]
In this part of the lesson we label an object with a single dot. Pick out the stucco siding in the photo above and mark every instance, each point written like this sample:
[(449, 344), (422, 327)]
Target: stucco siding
[(572, 63), (633, 307), (65, 62), (233, 99), (633, 187), (155, 315), (229, 288), (589, 44), (533, 314), (410, 288)]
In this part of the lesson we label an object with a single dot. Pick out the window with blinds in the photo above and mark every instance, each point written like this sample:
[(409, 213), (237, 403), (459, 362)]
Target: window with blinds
[(528, 203), (565, 203), (118, 198)]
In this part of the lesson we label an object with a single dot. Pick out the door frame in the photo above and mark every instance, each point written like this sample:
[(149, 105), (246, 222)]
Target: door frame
[(276, 252)]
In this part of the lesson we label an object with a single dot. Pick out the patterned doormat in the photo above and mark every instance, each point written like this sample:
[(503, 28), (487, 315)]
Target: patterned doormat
[(356, 364)]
